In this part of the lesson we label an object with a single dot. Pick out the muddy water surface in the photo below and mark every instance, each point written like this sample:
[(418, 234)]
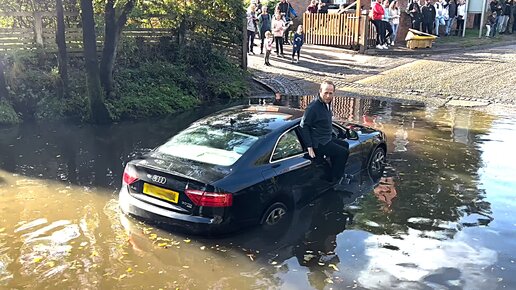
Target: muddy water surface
[(441, 217)]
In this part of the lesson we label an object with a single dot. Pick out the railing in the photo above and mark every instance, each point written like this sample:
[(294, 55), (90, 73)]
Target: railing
[(342, 30)]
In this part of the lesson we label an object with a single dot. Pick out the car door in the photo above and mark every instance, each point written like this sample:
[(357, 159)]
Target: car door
[(296, 174), (355, 159)]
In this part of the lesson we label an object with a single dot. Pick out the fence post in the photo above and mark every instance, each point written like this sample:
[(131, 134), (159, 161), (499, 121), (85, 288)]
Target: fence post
[(364, 29), (38, 28), (244, 44)]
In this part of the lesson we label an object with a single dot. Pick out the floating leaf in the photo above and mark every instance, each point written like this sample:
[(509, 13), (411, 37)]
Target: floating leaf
[(2, 230), (37, 259), (186, 267), (153, 236), (203, 247), (122, 276), (320, 263), (50, 264), (328, 280), (187, 241), (129, 270), (163, 245), (333, 267), (83, 244), (274, 263)]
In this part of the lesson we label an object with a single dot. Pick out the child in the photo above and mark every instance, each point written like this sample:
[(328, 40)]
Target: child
[(298, 42), (491, 24), (268, 47)]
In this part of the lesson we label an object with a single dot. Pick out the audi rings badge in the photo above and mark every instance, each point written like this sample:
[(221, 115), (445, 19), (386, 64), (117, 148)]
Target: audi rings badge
[(159, 179)]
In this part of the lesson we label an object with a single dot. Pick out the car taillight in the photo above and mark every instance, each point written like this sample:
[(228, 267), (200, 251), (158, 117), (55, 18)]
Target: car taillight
[(130, 175), (212, 199)]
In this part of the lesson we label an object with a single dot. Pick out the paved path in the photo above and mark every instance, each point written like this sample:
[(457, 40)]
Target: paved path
[(472, 77)]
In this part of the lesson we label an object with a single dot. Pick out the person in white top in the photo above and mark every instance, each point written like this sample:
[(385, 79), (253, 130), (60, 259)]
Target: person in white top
[(461, 16), (394, 13), (439, 16), (278, 27), (251, 26)]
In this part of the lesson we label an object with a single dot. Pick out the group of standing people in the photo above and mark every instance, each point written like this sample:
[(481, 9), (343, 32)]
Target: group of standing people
[(385, 16), (431, 16), (273, 29), (502, 17)]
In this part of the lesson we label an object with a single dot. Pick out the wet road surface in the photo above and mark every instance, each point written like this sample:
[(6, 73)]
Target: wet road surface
[(441, 217)]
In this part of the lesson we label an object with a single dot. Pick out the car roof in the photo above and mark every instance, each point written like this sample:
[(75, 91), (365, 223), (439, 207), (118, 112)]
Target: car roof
[(255, 120)]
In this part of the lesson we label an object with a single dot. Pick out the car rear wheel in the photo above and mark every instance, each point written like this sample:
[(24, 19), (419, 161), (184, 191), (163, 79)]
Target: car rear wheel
[(377, 162), (274, 214)]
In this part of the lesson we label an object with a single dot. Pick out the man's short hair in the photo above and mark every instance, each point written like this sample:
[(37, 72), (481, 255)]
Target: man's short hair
[(328, 83)]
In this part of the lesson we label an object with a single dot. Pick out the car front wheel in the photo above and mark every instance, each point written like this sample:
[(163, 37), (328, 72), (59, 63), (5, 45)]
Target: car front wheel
[(377, 162)]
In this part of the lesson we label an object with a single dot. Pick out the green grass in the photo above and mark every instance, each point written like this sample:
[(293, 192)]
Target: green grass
[(471, 39)]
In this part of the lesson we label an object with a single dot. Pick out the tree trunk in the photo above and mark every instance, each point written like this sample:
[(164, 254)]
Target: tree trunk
[(4, 93), (98, 110), (62, 57), (113, 32)]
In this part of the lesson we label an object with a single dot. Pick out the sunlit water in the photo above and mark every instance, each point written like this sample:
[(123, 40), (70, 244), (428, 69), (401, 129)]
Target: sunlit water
[(442, 217)]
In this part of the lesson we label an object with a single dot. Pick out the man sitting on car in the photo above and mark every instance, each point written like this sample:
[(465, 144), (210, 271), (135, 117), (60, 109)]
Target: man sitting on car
[(316, 127)]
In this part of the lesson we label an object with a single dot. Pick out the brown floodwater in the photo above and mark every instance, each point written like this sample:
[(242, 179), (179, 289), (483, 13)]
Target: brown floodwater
[(441, 217)]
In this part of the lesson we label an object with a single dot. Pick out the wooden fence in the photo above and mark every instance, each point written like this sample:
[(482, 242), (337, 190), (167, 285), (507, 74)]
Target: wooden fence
[(41, 33), (342, 30)]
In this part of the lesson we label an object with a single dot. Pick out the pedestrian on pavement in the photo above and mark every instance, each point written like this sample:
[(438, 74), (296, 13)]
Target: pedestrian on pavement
[(312, 7), (264, 25), (376, 16), (394, 12), (429, 14), (494, 6), (451, 10), (317, 129), (323, 6), (386, 22), (461, 16), (439, 16), (278, 26), (414, 11), (511, 25), (251, 26), (269, 39), (285, 10), (297, 43), (506, 7), (491, 24)]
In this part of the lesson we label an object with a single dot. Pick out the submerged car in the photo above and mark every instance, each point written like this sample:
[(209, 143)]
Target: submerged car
[(241, 166)]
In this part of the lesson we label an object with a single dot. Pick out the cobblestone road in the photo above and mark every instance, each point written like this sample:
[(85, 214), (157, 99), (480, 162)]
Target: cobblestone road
[(476, 78)]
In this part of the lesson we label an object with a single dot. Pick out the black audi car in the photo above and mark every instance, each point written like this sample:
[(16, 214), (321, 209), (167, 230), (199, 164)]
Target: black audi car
[(241, 166)]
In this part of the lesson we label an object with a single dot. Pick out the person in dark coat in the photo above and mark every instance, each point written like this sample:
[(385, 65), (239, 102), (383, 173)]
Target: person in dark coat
[(317, 129), (414, 12), (452, 15), (428, 12)]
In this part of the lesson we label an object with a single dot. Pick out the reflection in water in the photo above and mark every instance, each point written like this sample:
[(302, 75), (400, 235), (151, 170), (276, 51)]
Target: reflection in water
[(441, 217)]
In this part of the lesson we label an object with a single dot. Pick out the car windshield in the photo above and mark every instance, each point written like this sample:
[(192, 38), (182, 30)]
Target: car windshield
[(204, 143)]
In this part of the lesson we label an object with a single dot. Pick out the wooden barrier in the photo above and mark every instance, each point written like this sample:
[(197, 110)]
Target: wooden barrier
[(39, 31), (341, 30)]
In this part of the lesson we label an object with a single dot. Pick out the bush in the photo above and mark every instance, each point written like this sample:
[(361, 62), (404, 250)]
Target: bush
[(154, 89), (7, 114)]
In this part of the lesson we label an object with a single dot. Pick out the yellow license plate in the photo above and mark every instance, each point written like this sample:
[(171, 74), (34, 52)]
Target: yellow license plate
[(161, 193)]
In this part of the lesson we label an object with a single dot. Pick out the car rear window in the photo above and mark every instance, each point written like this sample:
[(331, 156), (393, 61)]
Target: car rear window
[(204, 143)]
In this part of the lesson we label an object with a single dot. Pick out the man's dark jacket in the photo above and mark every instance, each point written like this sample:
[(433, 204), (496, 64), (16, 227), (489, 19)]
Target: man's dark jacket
[(428, 12), (316, 124)]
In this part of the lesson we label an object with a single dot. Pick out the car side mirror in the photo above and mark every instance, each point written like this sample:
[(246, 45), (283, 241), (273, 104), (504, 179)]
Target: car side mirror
[(351, 135)]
